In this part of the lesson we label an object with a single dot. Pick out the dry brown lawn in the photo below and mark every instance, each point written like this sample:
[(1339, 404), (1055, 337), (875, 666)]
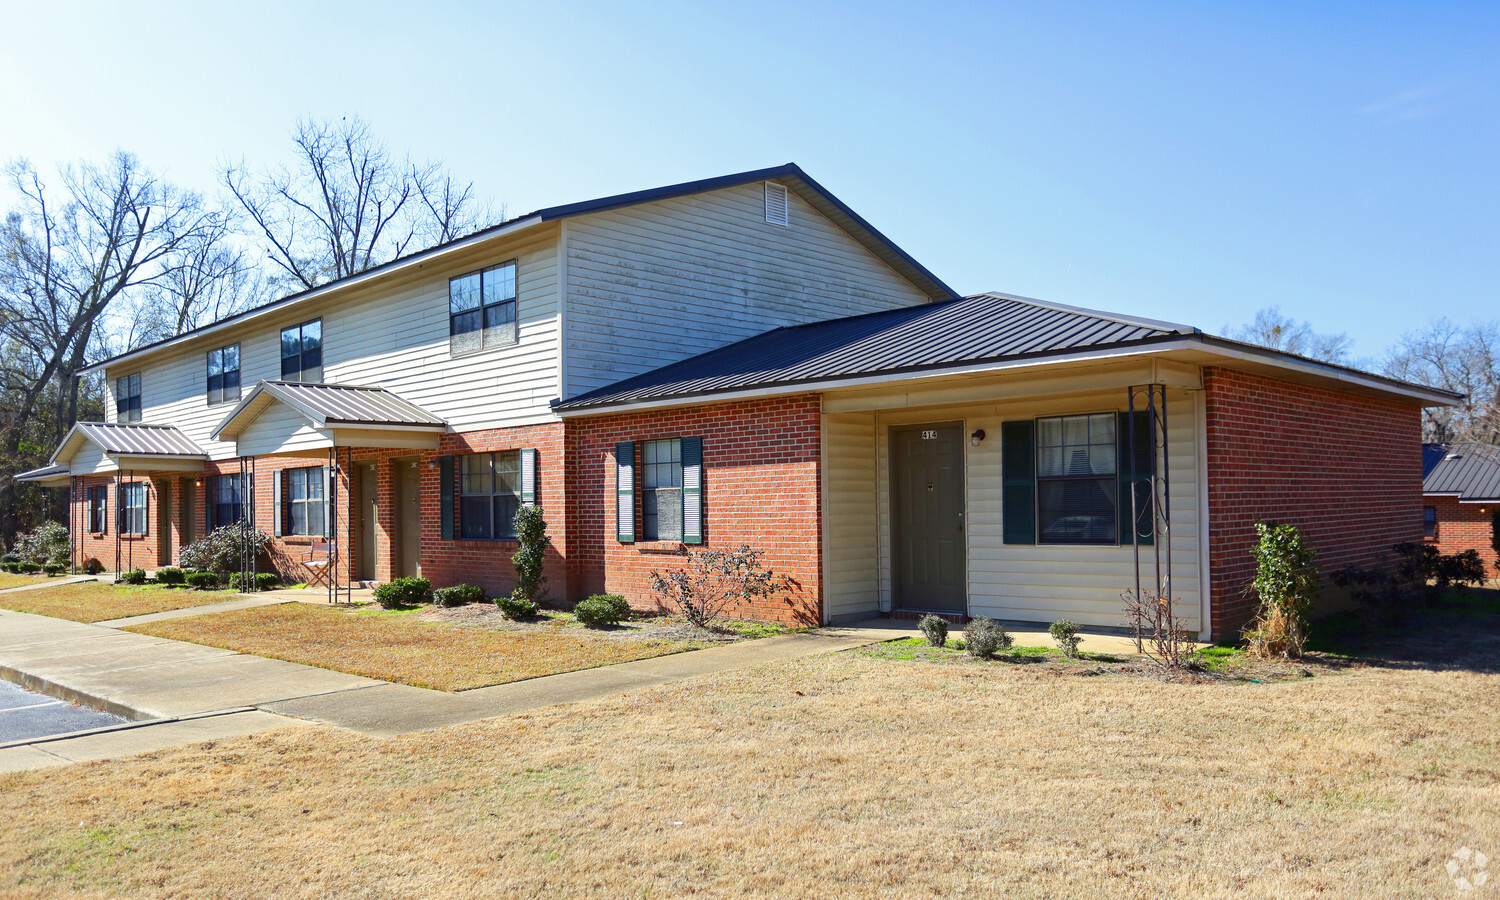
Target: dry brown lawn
[(7, 580), (94, 601), (401, 647), (850, 775)]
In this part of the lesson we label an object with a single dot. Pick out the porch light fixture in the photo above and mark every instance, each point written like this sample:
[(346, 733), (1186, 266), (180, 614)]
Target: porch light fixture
[(976, 437)]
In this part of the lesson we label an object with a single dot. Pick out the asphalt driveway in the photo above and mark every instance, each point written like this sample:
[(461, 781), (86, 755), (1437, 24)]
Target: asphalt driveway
[(25, 714)]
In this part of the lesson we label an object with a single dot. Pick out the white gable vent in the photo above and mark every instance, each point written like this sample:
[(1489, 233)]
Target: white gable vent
[(776, 203)]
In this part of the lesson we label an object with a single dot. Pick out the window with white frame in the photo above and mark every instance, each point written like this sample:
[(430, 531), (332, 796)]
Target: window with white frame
[(130, 514), (128, 398), (226, 500), (98, 509), (482, 309), (661, 490), (1076, 479), (304, 500), (489, 495), (302, 352), (224, 374)]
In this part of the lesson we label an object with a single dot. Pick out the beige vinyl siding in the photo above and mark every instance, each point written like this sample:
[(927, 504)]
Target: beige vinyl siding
[(89, 460), (393, 333), (280, 429), (1033, 583), (662, 281), (849, 498)]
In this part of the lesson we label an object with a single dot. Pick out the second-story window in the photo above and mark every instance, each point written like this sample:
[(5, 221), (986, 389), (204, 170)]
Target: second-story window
[(224, 374), (128, 398), (482, 309), (302, 352)]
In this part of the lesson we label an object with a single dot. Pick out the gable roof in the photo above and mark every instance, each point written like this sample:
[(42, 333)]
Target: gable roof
[(48, 476), (1468, 471), (790, 174), (128, 439), (331, 406)]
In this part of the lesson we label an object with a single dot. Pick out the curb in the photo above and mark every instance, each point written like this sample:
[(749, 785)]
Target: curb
[(124, 726), (73, 695)]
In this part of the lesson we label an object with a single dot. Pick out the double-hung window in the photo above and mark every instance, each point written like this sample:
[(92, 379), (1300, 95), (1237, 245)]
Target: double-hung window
[(98, 510), (489, 495), (128, 398), (224, 374), (1076, 480), (304, 506), (661, 490), (302, 352), (130, 514), (1429, 522), (226, 503), (482, 309)]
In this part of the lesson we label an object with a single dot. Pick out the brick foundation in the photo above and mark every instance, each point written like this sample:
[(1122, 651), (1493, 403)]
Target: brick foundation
[(761, 486), (1344, 468)]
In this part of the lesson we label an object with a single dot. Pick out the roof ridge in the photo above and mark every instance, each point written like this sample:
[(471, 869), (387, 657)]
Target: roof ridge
[(1133, 321)]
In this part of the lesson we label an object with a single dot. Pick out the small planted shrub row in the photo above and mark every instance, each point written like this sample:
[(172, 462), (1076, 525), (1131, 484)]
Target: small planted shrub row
[(602, 609), (203, 581), (134, 576), (517, 605), (261, 581), (170, 575), (400, 592), (458, 595)]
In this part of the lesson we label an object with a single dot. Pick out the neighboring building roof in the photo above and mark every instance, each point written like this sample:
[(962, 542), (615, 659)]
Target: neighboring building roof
[(790, 174), (50, 476), (332, 406), (129, 439), (1468, 471)]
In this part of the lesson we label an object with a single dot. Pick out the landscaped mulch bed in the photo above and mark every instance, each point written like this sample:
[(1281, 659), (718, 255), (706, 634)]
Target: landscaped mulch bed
[(93, 601)]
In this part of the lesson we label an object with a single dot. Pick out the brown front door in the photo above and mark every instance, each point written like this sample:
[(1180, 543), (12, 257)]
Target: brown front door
[(366, 515), (408, 510), (927, 517)]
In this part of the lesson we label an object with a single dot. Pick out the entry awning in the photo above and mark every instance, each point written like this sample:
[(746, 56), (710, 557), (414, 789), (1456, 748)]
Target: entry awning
[(94, 447), (326, 415)]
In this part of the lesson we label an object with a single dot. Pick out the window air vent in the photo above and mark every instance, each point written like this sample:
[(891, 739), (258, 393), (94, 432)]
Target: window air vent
[(776, 203)]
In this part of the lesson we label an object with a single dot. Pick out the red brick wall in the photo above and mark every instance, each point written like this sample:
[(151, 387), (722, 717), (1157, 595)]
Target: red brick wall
[(1344, 468), (488, 563), (1464, 526), (761, 486)]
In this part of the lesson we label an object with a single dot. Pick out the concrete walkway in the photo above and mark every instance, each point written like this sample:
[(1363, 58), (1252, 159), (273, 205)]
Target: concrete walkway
[(50, 582)]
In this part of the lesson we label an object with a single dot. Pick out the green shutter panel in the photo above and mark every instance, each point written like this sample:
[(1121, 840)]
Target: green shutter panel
[(1018, 481), (692, 490), (625, 492), (446, 505), (1135, 467), (276, 511), (145, 508), (327, 501), (528, 476)]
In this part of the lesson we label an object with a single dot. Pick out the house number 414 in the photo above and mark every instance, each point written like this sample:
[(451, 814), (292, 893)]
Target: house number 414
[(929, 435)]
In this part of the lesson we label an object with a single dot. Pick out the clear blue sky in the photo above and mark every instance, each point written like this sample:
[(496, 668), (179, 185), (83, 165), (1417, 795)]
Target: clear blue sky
[(1191, 162)]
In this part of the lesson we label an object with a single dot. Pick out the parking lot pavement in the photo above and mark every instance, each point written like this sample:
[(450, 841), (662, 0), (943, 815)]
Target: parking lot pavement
[(25, 714)]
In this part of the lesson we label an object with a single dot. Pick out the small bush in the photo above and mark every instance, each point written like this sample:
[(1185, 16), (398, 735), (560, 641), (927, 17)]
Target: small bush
[(715, 580), (517, 605), (30, 568), (531, 551), (203, 581), (134, 576), (983, 638), (170, 575), (11, 566), (53, 568), (220, 551), (9, 558), (267, 581), (936, 629), (602, 609), (1286, 580), (401, 592), (93, 566), (458, 595), (1065, 634), (46, 543)]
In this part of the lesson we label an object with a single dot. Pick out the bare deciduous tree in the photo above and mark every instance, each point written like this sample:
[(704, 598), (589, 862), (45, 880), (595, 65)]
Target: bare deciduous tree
[(348, 204), (1455, 358), (1280, 332)]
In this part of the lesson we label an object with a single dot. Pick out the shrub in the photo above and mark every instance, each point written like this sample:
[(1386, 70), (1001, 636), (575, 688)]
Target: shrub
[(220, 551), (517, 605), (30, 568), (531, 535), (11, 566), (1065, 634), (170, 575), (46, 543), (602, 609), (8, 558), (983, 638), (203, 581), (458, 595), (1286, 581), (93, 566), (267, 581), (53, 568), (714, 580), (399, 592), (936, 629), (134, 576)]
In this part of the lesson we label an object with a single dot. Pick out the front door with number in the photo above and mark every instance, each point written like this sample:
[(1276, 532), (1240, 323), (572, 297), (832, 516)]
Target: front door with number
[(927, 517)]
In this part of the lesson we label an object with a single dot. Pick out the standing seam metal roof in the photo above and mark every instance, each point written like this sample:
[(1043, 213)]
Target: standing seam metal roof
[(338, 405), (969, 329), (1470, 470), (134, 439)]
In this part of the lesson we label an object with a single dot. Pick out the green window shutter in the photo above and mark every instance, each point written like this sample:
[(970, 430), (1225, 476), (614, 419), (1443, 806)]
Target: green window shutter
[(145, 508), (446, 506), (327, 501), (1018, 481), (625, 492), (1135, 467), (692, 490), (528, 476), (276, 511)]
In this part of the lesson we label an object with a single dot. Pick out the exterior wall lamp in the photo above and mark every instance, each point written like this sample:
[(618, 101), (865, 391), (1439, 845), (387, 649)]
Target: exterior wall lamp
[(976, 437)]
